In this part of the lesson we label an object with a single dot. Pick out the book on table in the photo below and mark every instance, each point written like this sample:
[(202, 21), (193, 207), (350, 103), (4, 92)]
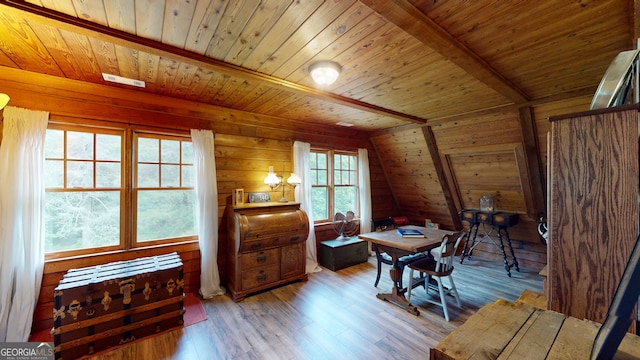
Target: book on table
[(410, 233)]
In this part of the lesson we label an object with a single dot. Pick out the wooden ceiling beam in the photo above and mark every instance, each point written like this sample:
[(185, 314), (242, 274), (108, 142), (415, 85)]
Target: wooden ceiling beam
[(410, 19), (59, 20)]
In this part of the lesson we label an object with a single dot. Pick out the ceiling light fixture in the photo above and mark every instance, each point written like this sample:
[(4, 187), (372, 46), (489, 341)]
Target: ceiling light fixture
[(345, 124), (325, 72)]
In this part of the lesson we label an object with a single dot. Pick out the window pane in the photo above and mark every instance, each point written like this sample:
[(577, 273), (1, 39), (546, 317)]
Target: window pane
[(148, 176), (165, 214), (148, 150), (313, 160), (54, 174), (170, 176), (320, 203), (344, 159), (108, 175), (345, 199), (54, 144), (80, 220), (79, 174), (79, 145), (187, 152), (187, 176), (322, 161), (322, 177), (170, 151), (108, 147)]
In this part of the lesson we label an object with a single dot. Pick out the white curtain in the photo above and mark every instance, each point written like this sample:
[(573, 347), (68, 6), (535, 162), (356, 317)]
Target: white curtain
[(206, 190), (302, 167), (364, 181), (21, 219)]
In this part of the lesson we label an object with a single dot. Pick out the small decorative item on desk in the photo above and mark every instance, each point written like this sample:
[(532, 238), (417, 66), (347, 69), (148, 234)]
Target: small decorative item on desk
[(238, 197), (430, 225), (410, 233), (259, 197), (487, 203)]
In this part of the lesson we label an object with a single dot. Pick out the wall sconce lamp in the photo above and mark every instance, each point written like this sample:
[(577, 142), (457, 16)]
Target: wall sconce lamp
[(325, 72), (274, 181), (4, 100)]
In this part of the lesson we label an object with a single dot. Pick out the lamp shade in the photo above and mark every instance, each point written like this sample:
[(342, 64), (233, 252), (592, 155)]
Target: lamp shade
[(4, 100), (294, 179), (325, 72), (272, 179)]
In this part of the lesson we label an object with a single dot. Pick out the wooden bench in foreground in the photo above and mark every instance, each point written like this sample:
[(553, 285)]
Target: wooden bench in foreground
[(506, 330)]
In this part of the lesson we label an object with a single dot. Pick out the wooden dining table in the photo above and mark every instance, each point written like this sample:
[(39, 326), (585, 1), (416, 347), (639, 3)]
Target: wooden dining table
[(396, 246)]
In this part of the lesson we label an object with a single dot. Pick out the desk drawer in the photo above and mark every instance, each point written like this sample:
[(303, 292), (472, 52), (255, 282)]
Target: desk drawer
[(259, 258), (270, 240), (469, 215), (504, 220), (260, 276)]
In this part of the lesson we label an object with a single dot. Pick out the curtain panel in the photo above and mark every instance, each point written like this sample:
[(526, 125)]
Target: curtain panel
[(206, 211), (21, 219), (364, 182), (302, 167)]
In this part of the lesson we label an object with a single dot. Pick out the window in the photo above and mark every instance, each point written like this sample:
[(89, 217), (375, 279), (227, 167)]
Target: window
[(163, 190), (84, 189), (334, 183), (101, 197)]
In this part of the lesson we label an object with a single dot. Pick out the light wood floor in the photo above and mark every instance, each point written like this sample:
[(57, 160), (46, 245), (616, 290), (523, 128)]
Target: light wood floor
[(335, 315)]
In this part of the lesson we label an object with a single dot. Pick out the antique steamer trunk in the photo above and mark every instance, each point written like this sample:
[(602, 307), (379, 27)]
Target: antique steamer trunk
[(266, 246), (107, 305), (341, 253)]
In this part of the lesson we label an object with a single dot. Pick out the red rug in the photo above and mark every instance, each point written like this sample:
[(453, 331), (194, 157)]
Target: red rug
[(193, 313)]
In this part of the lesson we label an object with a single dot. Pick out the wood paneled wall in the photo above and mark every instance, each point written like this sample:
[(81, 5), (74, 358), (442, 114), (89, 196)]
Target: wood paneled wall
[(246, 144), (476, 154)]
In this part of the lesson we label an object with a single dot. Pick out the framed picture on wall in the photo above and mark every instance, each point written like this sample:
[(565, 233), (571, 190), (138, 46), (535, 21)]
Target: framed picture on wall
[(238, 196)]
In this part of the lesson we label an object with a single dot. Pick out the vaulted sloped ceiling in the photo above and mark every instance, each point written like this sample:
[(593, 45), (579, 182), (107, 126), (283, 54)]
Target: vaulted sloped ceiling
[(404, 61)]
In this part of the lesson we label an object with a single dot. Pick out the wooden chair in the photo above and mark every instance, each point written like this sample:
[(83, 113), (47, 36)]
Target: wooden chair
[(437, 267), (387, 224)]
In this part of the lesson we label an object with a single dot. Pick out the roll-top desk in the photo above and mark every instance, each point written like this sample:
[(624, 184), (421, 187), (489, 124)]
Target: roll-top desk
[(266, 246)]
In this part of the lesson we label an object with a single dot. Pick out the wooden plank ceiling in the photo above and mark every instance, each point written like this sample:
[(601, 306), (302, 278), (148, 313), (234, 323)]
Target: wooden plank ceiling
[(404, 61)]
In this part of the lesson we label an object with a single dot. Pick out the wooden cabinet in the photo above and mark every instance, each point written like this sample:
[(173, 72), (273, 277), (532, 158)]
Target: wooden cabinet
[(593, 208), (266, 246)]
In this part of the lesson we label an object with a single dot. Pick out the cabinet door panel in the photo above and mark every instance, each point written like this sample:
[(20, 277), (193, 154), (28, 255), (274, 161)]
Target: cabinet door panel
[(293, 260)]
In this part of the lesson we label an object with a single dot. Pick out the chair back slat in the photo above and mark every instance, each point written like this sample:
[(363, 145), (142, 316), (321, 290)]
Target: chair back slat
[(447, 251), (382, 224)]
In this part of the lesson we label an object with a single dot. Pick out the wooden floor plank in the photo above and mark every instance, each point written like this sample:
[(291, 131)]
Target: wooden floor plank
[(334, 315)]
